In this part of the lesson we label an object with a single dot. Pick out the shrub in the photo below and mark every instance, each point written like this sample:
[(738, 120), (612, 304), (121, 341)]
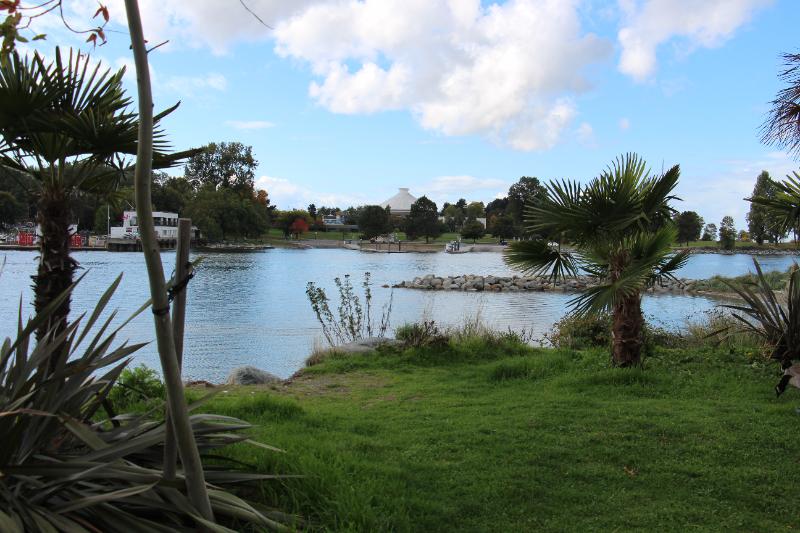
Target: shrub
[(579, 333), (136, 384)]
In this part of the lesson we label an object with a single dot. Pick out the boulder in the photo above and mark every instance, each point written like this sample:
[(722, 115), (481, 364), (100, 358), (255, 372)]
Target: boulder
[(370, 344), (249, 375)]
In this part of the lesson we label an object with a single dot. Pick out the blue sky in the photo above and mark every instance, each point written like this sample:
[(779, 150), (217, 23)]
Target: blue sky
[(345, 101)]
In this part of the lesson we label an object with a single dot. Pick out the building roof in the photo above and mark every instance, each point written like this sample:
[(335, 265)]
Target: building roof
[(400, 202)]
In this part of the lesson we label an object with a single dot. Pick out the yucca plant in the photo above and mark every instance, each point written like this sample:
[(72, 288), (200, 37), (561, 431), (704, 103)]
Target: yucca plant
[(620, 231), (62, 471), (764, 315)]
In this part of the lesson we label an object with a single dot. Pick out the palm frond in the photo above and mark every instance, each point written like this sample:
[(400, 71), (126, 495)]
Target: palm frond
[(537, 257)]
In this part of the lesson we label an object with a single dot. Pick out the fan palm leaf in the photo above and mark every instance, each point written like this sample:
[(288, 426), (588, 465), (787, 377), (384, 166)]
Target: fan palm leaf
[(69, 128), (619, 229)]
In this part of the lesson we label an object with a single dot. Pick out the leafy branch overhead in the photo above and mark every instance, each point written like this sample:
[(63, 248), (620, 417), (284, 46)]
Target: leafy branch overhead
[(20, 17)]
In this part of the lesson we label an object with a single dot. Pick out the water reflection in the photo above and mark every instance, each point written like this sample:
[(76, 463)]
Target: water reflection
[(251, 308)]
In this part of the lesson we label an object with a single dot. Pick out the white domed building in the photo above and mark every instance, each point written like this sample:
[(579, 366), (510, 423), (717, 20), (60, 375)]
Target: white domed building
[(400, 203)]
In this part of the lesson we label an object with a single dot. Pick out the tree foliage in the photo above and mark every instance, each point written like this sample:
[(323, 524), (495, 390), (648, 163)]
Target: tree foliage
[(374, 221), (475, 210), (473, 230), (690, 225), (525, 193), (618, 226), (502, 227), (227, 164), (727, 233), (11, 210), (298, 227), (762, 222), (285, 219), (710, 232), (454, 217), (222, 213), (423, 220)]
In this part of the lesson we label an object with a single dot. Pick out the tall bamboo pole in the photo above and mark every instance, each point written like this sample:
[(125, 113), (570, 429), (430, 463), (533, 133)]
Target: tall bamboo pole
[(190, 458), (182, 267)]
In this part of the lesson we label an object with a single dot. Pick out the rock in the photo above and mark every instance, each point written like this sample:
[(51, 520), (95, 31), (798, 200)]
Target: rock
[(370, 344), (249, 375)]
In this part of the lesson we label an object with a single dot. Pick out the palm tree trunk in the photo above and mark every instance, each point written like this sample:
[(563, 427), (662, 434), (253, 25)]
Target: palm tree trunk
[(627, 322), (56, 267)]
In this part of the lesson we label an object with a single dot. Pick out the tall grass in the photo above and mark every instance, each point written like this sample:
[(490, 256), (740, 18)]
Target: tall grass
[(776, 280), (699, 331)]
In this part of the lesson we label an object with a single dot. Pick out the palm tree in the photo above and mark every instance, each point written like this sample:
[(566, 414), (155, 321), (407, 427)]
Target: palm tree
[(620, 231), (782, 125), (69, 129)]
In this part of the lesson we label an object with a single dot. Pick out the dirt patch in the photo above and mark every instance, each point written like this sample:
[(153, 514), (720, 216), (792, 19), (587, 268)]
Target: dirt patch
[(325, 384)]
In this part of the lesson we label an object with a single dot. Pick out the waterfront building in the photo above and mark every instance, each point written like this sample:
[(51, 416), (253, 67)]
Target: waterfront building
[(166, 225)]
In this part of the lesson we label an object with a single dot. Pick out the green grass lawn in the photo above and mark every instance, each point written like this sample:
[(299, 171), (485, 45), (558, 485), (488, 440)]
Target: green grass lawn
[(483, 437)]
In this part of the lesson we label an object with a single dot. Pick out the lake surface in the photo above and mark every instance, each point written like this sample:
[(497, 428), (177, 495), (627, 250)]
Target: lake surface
[(251, 307)]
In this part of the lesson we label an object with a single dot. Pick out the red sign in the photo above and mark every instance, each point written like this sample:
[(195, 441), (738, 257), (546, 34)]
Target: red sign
[(26, 239)]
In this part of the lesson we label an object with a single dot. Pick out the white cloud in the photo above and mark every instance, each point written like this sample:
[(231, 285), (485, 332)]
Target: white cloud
[(504, 73), (197, 86), (585, 135), (702, 23), (249, 126), (624, 124), (287, 195), (714, 195)]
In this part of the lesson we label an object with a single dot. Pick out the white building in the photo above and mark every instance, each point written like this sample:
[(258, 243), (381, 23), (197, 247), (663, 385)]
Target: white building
[(400, 203), (166, 225)]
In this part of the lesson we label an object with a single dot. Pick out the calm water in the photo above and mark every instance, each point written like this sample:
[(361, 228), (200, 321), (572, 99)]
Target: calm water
[(251, 307)]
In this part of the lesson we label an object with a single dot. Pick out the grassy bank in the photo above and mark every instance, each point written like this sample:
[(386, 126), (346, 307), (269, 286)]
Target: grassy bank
[(495, 436)]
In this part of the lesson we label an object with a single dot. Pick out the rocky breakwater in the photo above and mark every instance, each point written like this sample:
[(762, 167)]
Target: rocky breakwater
[(473, 283)]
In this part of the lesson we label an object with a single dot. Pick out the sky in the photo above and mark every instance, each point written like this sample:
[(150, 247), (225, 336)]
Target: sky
[(346, 101)]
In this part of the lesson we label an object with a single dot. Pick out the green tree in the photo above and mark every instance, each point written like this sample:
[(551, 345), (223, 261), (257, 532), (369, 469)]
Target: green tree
[(609, 224), (502, 227), (496, 207), (474, 231), (461, 204), (526, 192), (475, 210), (11, 210), (229, 165), (423, 220), (727, 233), (312, 211), (710, 232), (374, 221), (454, 217), (690, 225), (761, 222), (285, 219)]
